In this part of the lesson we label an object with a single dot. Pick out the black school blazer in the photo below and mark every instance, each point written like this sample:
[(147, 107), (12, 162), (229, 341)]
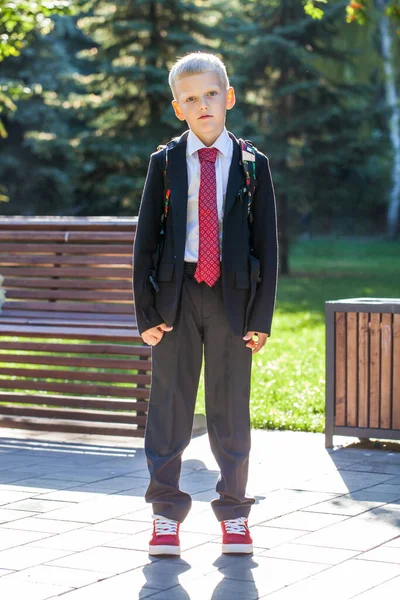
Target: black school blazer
[(249, 253)]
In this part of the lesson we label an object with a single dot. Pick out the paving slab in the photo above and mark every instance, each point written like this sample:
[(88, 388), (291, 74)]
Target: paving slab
[(22, 557), (388, 589), (33, 591), (50, 575), (74, 523), (344, 581)]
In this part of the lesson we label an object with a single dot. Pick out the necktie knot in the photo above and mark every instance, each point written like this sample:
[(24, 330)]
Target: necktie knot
[(208, 154)]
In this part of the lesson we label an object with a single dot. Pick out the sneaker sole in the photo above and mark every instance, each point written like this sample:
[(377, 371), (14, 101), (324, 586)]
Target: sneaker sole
[(169, 550), (237, 548)]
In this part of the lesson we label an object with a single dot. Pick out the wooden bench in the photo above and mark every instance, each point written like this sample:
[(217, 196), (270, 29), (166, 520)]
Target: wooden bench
[(71, 358)]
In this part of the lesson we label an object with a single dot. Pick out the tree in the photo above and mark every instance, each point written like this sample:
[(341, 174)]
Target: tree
[(381, 11), (393, 119), (128, 102), (42, 131), (18, 20), (358, 11), (310, 124)]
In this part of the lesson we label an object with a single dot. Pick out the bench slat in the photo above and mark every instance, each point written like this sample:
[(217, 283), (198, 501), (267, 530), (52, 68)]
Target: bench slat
[(100, 390), (91, 295), (78, 361), (81, 333), (114, 273), (68, 427), (79, 248), (71, 401), (99, 284), (79, 259), (76, 415), (95, 348), (75, 375), (94, 307), (85, 237)]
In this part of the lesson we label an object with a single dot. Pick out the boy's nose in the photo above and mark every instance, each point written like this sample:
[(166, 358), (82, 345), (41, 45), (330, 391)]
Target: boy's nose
[(204, 104)]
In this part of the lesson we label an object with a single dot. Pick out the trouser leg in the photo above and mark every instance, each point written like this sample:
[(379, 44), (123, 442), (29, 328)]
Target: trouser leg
[(227, 393), (176, 366)]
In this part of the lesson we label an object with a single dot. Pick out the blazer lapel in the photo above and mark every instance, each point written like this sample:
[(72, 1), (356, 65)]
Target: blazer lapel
[(178, 179)]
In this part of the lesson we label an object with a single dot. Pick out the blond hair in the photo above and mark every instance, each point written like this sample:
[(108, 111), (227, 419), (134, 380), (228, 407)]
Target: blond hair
[(196, 63)]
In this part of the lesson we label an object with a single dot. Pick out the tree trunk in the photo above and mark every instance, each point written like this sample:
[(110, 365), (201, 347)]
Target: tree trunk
[(392, 101)]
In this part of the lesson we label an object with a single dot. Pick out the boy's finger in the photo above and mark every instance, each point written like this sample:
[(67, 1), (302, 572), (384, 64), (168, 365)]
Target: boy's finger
[(153, 338), (165, 327)]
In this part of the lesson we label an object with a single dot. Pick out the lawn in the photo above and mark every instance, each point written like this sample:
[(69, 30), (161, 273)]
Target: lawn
[(288, 375)]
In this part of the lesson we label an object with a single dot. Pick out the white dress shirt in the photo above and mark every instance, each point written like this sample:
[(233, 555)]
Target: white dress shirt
[(224, 158)]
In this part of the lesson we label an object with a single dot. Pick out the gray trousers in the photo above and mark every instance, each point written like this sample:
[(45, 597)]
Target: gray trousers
[(176, 365)]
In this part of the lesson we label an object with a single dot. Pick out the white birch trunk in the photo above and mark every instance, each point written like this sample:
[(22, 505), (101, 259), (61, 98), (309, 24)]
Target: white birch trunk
[(392, 101)]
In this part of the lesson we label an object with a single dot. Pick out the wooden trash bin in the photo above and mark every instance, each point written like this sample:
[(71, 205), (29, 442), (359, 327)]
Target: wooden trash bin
[(363, 368)]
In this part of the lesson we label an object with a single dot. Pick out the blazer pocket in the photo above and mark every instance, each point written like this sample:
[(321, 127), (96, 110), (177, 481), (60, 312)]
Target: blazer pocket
[(242, 280), (165, 271)]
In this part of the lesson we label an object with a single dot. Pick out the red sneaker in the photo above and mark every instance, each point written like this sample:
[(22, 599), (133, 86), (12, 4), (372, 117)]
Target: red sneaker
[(165, 538), (236, 538)]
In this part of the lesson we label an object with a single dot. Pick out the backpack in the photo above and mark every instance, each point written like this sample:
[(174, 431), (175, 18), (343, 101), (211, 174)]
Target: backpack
[(248, 162)]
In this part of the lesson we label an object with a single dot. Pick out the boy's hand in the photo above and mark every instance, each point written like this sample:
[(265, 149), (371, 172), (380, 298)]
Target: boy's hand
[(154, 335), (255, 340)]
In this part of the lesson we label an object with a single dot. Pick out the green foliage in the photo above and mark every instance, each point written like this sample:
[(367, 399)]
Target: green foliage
[(42, 132), (393, 10), (18, 20), (358, 11), (312, 10)]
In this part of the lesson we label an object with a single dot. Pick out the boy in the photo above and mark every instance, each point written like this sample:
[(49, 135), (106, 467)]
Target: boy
[(212, 284)]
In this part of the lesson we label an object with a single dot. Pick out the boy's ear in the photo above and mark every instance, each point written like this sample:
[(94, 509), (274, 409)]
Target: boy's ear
[(177, 110), (230, 98)]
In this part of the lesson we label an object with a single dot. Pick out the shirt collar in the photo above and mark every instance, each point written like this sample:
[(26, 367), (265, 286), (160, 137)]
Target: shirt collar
[(222, 143)]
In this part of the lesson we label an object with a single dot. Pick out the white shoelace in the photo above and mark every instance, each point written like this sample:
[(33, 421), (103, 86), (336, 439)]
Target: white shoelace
[(236, 526), (164, 526)]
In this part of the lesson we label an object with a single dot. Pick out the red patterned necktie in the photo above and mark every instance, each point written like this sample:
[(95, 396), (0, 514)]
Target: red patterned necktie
[(208, 265)]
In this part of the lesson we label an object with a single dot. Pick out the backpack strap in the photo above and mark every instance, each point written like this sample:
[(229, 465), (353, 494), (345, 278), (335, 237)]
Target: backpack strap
[(167, 194), (248, 153), (167, 191)]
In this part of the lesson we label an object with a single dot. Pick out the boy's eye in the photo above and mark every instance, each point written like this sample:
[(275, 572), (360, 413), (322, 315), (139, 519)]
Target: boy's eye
[(193, 98)]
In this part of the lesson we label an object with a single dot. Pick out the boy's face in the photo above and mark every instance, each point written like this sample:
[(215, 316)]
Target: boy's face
[(202, 101)]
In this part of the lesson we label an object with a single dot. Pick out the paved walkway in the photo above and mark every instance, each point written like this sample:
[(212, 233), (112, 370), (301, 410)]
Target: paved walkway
[(73, 523)]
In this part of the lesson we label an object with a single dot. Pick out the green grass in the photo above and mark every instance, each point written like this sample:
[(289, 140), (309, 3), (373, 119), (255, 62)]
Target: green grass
[(288, 374)]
